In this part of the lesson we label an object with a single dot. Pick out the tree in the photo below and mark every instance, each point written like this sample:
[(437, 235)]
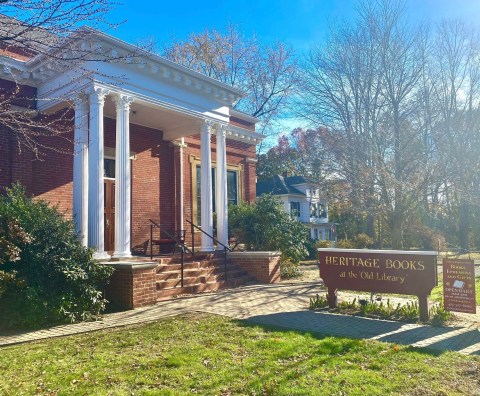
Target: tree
[(52, 32), (455, 62), (267, 73), (301, 153), (264, 225), (363, 86)]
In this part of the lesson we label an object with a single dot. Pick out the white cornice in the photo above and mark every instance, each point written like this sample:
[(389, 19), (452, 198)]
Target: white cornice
[(144, 62), (244, 116), (245, 135)]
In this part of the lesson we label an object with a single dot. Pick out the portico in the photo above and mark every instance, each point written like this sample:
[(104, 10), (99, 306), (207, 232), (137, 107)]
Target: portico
[(169, 113), (88, 173)]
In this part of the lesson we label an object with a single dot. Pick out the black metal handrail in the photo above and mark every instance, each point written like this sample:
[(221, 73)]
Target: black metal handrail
[(179, 241), (226, 249)]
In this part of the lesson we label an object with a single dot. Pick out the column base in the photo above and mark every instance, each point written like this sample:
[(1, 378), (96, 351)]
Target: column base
[(122, 255), (101, 256), (207, 249)]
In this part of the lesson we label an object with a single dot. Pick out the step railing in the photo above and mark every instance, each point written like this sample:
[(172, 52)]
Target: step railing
[(177, 240), (226, 249)]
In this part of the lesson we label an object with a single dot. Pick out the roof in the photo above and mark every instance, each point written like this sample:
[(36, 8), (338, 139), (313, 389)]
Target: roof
[(278, 185), (24, 36), (294, 180)]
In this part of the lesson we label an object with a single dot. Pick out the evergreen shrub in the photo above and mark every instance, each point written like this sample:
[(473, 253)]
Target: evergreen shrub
[(46, 275)]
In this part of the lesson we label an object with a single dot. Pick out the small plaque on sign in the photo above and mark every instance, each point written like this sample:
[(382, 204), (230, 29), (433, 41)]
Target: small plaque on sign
[(459, 286)]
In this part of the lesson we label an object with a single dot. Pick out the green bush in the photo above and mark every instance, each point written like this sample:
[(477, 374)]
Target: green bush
[(345, 244), (46, 275), (323, 244), (318, 302), (264, 226), (363, 241), (289, 269), (438, 315)]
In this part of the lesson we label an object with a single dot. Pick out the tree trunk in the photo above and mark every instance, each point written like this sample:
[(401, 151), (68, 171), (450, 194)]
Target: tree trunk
[(463, 225)]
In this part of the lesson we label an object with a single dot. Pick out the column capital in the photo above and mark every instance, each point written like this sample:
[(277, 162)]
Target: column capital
[(123, 102), (80, 100), (207, 126), (222, 130), (98, 94)]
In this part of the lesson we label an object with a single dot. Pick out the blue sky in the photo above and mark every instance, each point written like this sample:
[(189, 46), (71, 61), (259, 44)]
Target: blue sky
[(302, 23)]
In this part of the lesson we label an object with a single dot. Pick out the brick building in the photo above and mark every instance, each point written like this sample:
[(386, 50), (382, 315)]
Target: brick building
[(150, 140)]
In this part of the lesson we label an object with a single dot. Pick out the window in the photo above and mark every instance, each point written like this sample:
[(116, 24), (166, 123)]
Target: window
[(109, 168), (295, 209), (322, 212), (315, 233), (313, 209), (232, 189)]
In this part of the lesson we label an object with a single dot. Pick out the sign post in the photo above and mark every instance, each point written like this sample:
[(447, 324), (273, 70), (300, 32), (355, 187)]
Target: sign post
[(459, 286), (381, 271)]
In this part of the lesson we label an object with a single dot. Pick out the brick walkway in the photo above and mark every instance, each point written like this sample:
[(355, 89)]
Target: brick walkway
[(282, 305)]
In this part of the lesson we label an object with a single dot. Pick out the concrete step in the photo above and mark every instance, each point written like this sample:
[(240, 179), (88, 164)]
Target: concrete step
[(194, 265), (174, 279), (187, 258), (165, 294), (188, 273)]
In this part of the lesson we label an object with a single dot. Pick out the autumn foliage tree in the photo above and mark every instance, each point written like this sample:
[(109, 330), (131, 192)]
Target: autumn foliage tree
[(267, 73)]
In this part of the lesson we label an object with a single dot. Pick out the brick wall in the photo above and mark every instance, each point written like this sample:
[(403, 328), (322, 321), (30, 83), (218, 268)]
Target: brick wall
[(132, 285), (155, 175), (264, 266)]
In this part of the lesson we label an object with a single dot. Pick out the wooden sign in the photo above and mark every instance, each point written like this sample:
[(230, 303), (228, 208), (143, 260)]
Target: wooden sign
[(380, 271), (459, 285)]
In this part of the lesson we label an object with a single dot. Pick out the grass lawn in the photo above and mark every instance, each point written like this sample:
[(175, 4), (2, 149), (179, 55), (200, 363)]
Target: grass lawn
[(212, 355)]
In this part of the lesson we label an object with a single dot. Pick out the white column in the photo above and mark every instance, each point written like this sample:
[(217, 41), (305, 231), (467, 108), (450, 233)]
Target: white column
[(206, 186), (80, 169), (181, 151), (122, 177), (182, 216), (96, 237), (221, 198)]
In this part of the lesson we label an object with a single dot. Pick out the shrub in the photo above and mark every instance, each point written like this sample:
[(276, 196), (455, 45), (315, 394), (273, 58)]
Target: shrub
[(311, 249), (264, 225), (438, 315), (345, 244), (363, 241), (46, 275), (289, 269), (323, 244), (318, 302)]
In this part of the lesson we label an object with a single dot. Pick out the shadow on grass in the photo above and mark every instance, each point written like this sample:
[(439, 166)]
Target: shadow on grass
[(434, 340)]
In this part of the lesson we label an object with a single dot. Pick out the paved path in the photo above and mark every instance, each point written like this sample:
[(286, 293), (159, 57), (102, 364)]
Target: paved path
[(282, 305)]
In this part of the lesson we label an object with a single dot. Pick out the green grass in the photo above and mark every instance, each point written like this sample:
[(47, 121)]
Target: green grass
[(211, 355), (437, 292)]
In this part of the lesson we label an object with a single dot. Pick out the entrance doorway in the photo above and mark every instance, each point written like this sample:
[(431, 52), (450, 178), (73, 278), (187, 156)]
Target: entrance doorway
[(109, 214)]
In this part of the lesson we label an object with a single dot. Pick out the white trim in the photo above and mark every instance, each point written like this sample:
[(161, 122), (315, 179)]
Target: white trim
[(407, 252)]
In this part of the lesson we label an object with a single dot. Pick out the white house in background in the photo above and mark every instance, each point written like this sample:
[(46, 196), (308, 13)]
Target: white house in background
[(301, 198)]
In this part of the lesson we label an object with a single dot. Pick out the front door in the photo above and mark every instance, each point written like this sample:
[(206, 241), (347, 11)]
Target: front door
[(109, 214)]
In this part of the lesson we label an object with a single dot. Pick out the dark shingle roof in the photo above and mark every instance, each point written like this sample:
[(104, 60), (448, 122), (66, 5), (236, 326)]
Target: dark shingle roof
[(278, 185), (292, 180)]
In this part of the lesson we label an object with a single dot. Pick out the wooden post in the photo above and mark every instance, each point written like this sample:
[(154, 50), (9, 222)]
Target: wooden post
[(423, 308), (332, 297)]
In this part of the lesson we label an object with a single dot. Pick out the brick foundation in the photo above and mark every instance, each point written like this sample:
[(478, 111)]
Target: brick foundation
[(132, 285), (264, 266)]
